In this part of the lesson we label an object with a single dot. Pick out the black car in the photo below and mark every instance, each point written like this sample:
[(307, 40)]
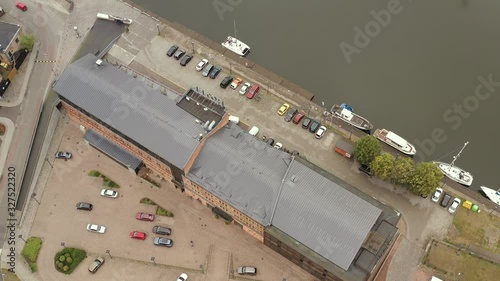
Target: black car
[(172, 50), (165, 242), (314, 126), (306, 123), (162, 230), (366, 169), (226, 82), (186, 59), (290, 114), (84, 206), (179, 54), (270, 141), (215, 71)]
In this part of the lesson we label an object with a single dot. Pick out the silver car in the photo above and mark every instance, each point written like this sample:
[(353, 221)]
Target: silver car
[(207, 70), (201, 64), (245, 88), (96, 228)]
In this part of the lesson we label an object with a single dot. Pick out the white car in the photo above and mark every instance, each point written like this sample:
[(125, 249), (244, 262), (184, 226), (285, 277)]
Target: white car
[(437, 195), (245, 88), (201, 65), (96, 228), (320, 132), (109, 193), (453, 208), (278, 145), (183, 277)]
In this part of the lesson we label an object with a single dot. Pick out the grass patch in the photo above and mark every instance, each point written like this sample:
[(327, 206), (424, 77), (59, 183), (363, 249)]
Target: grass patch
[(94, 173), (449, 262), (162, 212), (68, 259), (31, 250), (9, 276), (147, 201), (2, 129), (479, 229), (105, 180)]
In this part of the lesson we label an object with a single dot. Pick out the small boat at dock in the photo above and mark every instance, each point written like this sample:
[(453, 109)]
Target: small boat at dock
[(395, 141), (455, 173), (345, 112), (235, 45), (493, 195)]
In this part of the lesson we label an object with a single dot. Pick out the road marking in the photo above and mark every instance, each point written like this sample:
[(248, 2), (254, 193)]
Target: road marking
[(45, 61)]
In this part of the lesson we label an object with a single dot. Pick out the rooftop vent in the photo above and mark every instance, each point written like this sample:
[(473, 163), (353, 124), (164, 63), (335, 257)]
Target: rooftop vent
[(98, 62)]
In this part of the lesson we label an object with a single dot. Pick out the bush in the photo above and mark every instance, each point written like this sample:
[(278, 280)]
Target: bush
[(94, 173), (27, 42), (2, 129), (31, 250), (162, 212), (147, 201), (68, 259)]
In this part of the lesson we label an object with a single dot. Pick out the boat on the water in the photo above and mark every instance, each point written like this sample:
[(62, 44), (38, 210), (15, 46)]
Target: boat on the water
[(395, 141), (345, 112), (455, 173), (493, 195), (236, 46)]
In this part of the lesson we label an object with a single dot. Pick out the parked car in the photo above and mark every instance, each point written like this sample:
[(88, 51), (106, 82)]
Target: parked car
[(253, 91), (161, 230), (307, 122), (236, 82), (138, 235), (446, 200), (109, 193), (454, 205), (366, 169), (320, 132), (165, 242), (283, 109), (298, 117), (21, 6), (84, 206), (207, 70), (179, 54), (215, 72), (201, 64), (437, 195), (314, 126), (247, 270), (63, 155), (96, 264), (186, 59), (144, 216), (270, 141), (171, 51), (226, 81), (183, 277), (245, 88), (278, 145), (291, 113), (96, 228)]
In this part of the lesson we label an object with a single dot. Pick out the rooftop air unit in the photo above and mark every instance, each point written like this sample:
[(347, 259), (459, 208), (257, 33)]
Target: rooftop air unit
[(211, 125), (99, 62)]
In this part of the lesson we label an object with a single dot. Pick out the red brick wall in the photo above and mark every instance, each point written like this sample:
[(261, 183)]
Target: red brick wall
[(150, 162)]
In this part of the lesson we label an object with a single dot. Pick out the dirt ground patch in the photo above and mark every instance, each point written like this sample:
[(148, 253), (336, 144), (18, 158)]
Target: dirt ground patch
[(448, 262), (478, 229), (9, 276)]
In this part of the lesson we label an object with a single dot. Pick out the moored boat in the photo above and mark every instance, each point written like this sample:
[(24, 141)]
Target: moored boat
[(236, 46), (455, 173), (493, 195), (345, 113), (395, 141)]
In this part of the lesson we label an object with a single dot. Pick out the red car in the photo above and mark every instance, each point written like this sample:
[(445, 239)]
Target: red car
[(253, 91), (21, 6), (145, 217), (138, 235), (298, 117)]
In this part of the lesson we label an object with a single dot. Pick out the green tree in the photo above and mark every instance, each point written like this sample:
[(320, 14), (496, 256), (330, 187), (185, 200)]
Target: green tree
[(425, 178), (27, 42), (366, 149), (402, 171), (382, 166)]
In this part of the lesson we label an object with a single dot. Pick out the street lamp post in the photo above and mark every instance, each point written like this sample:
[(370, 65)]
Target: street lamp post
[(21, 236), (158, 27), (34, 198), (109, 253), (50, 164), (230, 68), (153, 260), (192, 46), (63, 244), (351, 133), (76, 30)]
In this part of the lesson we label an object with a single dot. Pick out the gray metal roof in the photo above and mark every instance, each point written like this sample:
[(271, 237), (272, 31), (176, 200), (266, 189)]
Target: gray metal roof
[(7, 33), (241, 170), (323, 215), (129, 106), (113, 150)]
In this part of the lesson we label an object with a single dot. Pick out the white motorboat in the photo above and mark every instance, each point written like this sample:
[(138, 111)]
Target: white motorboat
[(455, 173), (395, 141), (235, 45), (493, 195)]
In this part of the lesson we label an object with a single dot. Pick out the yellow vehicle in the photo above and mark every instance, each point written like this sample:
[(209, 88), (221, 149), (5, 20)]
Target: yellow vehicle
[(283, 109)]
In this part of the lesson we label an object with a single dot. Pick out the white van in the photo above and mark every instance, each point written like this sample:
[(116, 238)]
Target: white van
[(254, 131), (234, 119)]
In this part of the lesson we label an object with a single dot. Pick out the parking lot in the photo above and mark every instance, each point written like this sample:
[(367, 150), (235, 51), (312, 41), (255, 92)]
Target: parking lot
[(218, 248)]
